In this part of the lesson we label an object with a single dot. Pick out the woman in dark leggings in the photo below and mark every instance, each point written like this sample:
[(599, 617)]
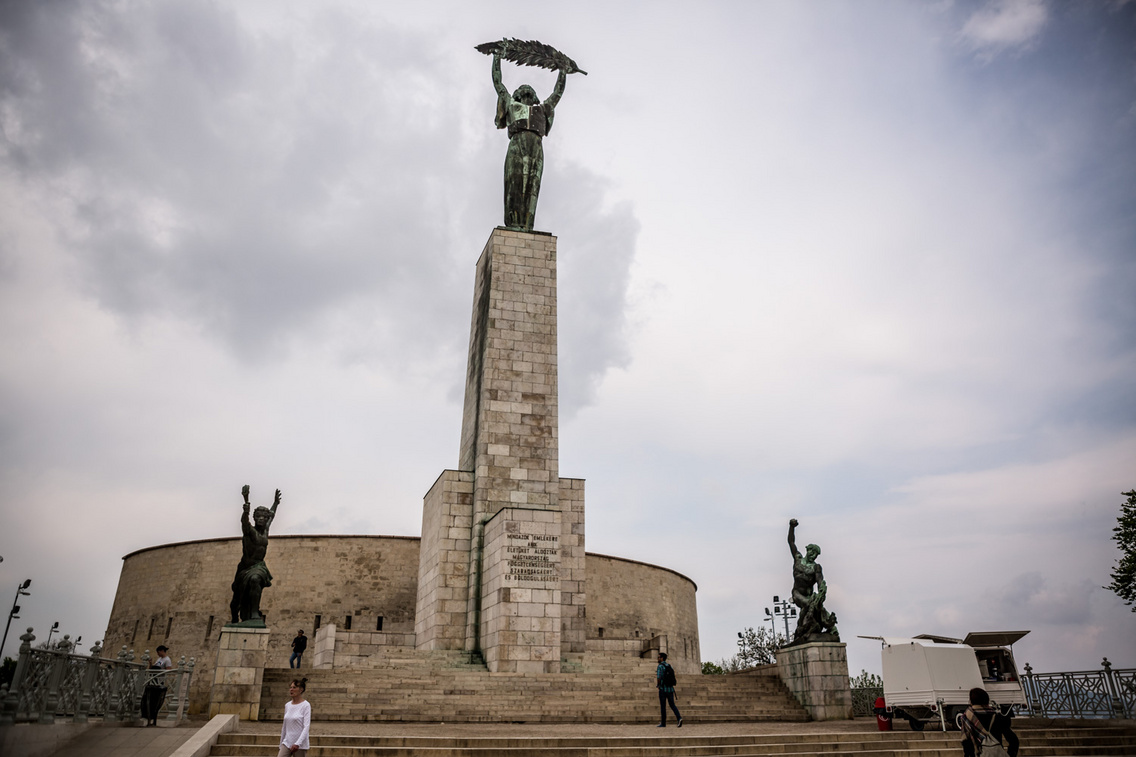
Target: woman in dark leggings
[(979, 719)]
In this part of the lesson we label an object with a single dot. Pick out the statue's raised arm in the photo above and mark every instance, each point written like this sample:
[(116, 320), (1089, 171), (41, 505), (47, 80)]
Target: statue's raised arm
[(497, 83), (272, 512), (792, 539), (557, 91)]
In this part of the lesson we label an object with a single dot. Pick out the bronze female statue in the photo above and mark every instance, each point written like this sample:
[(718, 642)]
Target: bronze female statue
[(528, 120)]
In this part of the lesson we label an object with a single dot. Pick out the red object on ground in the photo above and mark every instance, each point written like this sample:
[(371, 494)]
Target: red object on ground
[(883, 720)]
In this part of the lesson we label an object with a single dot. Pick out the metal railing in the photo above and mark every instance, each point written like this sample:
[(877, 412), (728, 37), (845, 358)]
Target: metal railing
[(54, 683), (864, 700), (1104, 693)]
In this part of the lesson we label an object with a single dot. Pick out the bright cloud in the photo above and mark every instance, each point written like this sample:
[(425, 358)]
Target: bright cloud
[(1002, 25)]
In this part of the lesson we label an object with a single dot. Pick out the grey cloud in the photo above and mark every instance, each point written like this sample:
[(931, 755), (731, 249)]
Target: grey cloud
[(1032, 599), (332, 189), (594, 262), (253, 211)]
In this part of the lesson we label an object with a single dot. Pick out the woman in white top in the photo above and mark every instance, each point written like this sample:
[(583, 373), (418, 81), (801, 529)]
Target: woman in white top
[(297, 721)]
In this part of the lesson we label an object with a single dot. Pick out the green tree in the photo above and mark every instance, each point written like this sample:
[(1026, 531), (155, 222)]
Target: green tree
[(754, 648), (710, 669), (1124, 534), (866, 680)]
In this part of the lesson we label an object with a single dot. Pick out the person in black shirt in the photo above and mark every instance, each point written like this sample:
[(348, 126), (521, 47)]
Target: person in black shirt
[(299, 644)]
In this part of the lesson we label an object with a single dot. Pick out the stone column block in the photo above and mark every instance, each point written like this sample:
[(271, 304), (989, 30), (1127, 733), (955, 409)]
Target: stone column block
[(239, 673), (817, 674), (520, 595)]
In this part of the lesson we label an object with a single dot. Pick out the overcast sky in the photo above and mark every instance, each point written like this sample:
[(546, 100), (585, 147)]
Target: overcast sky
[(870, 265)]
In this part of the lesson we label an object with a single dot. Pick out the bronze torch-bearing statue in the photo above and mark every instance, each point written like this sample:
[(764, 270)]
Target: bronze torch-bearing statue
[(252, 574)]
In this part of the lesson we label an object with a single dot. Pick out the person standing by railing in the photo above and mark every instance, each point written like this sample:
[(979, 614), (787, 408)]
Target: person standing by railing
[(155, 692)]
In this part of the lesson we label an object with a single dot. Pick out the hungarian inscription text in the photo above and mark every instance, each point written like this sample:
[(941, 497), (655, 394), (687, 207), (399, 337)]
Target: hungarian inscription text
[(532, 557)]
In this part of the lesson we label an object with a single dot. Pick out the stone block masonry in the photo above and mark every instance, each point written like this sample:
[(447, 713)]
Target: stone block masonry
[(239, 673), (520, 608), (510, 419), (501, 569), (181, 591), (817, 674), (443, 563)]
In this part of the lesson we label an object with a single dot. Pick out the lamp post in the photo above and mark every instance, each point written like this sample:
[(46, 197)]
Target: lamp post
[(786, 610), (742, 646), (772, 621), (54, 628), (21, 589)]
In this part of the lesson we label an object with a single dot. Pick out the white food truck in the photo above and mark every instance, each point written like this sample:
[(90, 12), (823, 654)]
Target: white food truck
[(930, 677)]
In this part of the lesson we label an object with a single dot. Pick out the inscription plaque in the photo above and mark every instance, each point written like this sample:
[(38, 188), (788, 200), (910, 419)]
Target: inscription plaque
[(532, 557)]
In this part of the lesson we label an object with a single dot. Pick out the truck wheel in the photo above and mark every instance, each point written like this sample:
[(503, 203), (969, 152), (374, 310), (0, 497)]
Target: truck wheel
[(916, 724)]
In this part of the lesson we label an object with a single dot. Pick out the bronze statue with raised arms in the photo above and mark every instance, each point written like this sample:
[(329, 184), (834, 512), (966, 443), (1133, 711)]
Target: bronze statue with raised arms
[(252, 574), (528, 120)]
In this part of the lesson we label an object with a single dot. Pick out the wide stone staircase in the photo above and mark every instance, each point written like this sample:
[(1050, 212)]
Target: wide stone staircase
[(614, 692), (1036, 742)]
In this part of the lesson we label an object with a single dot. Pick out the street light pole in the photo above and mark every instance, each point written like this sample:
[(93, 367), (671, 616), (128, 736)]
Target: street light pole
[(21, 589), (786, 610), (54, 628)]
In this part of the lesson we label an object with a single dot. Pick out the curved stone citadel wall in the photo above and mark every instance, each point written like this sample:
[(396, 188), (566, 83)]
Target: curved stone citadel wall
[(178, 595)]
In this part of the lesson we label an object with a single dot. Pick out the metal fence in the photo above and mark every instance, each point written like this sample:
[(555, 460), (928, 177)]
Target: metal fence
[(54, 683), (1104, 693), (863, 700)]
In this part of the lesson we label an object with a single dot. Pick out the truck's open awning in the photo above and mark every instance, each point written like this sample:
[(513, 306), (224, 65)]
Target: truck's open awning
[(992, 638), (939, 639)]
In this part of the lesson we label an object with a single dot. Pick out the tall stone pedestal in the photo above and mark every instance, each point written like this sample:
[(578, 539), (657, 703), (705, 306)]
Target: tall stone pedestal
[(520, 607), (501, 571), (817, 674), (239, 673)]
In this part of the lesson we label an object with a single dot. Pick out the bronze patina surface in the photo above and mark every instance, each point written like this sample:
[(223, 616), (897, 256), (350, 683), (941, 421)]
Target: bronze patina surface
[(528, 120), (815, 622), (252, 574)]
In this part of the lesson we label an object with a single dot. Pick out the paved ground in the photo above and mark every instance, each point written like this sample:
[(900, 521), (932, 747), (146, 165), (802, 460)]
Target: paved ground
[(128, 742)]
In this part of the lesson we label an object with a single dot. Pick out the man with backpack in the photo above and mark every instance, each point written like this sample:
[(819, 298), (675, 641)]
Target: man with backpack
[(665, 683), (984, 727)]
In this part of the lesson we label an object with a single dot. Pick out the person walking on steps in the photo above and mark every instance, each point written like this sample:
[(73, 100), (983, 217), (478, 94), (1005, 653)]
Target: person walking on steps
[(299, 644), (297, 721), (665, 683), (983, 725)]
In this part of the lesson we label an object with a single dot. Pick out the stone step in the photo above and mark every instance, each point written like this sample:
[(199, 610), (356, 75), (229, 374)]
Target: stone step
[(1035, 743), (448, 695)]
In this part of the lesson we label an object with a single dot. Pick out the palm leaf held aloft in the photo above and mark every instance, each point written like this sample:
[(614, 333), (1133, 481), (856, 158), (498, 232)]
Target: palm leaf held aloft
[(531, 53)]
